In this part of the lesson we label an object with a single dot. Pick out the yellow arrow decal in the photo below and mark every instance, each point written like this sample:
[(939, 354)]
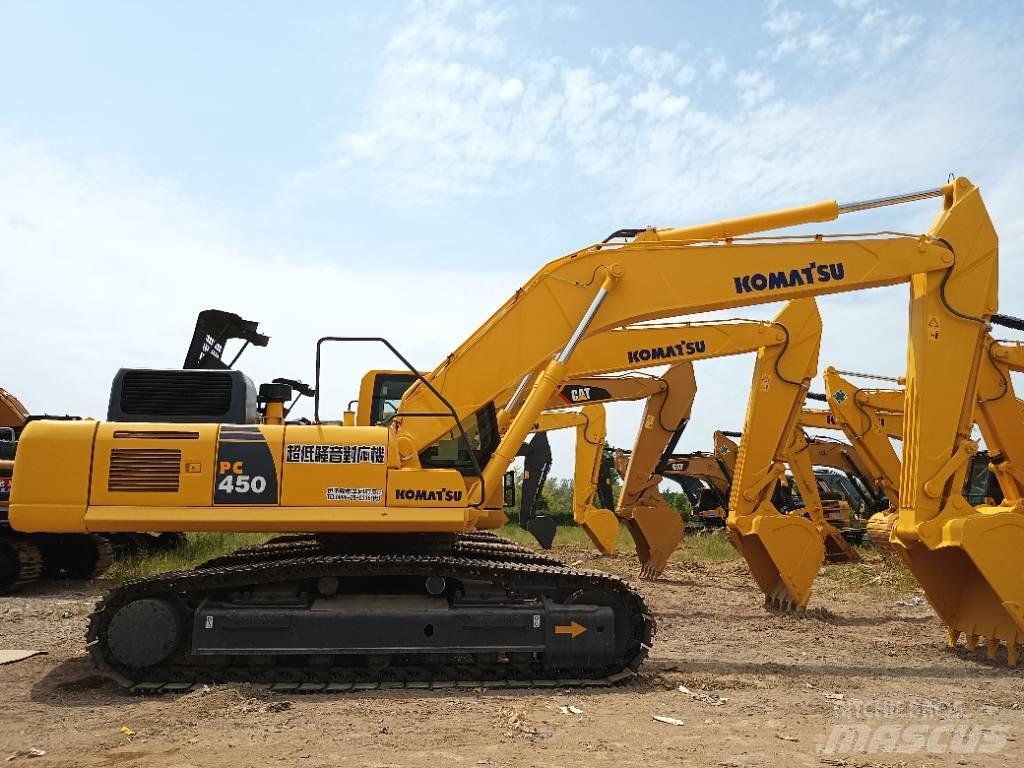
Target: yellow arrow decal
[(572, 628)]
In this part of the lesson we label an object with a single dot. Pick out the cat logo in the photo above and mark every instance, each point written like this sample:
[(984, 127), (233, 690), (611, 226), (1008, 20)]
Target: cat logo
[(573, 394)]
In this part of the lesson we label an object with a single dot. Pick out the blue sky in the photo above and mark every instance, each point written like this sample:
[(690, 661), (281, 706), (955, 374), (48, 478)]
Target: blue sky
[(401, 168)]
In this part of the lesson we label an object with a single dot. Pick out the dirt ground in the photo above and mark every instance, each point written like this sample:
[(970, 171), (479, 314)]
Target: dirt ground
[(860, 680)]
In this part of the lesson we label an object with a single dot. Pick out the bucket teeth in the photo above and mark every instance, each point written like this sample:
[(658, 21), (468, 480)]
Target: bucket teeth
[(973, 642), (952, 636), (991, 649), (649, 572), (779, 599)]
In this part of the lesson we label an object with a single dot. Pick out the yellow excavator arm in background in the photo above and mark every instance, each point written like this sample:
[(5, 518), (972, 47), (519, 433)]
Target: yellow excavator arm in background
[(868, 430), (655, 526), (676, 385), (801, 464), (1000, 416), (12, 413), (888, 422)]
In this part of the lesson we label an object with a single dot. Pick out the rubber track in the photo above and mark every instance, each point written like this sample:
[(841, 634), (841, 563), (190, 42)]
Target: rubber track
[(30, 561), (104, 555), (170, 678)]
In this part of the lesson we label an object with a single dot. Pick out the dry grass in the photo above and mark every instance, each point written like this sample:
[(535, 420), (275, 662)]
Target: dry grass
[(874, 573), (200, 548), (710, 547)]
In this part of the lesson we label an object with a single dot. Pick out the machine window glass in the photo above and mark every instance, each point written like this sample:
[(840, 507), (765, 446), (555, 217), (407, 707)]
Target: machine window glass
[(388, 389), (450, 451)]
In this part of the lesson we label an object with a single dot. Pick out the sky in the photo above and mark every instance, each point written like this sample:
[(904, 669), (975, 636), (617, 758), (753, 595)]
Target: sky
[(399, 169)]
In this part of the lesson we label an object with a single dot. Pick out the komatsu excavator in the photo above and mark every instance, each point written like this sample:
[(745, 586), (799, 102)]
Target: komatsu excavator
[(656, 527), (797, 328), (401, 590), (793, 335)]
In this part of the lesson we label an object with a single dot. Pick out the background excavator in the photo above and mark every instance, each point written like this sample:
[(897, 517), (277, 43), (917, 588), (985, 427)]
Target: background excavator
[(874, 417), (381, 391), (25, 558), (400, 588), (670, 394)]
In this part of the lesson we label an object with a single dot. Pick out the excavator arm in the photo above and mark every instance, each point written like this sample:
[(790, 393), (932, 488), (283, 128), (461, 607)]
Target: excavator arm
[(867, 429), (843, 457), (654, 525), (801, 464), (591, 392), (669, 399), (999, 415), (667, 273)]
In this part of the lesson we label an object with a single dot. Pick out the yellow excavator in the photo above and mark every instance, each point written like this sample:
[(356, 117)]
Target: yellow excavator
[(25, 558), (656, 527), (400, 588), (670, 396), (873, 417), (705, 479)]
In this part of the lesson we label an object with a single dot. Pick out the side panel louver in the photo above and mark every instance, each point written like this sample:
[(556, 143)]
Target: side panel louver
[(150, 470), (152, 434)]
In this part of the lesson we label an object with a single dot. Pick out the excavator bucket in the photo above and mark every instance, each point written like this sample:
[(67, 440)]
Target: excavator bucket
[(784, 553), (972, 579), (837, 548), (537, 454), (601, 525), (656, 529)]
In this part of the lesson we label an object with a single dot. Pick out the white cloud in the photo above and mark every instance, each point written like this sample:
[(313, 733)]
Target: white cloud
[(686, 75), (784, 22), (717, 68), (658, 103), (652, 63), (754, 87), (110, 270), (569, 11)]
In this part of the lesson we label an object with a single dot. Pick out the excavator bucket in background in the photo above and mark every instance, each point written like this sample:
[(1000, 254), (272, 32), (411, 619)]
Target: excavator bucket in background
[(783, 552), (656, 527), (536, 463), (600, 524), (837, 549)]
